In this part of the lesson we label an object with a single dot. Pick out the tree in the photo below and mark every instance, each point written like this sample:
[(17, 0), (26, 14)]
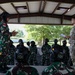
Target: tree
[(40, 32), (20, 33)]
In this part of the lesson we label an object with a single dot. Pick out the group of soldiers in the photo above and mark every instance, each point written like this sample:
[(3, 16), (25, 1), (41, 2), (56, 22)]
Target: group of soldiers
[(26, 56), (29, 52), (56, 53), (8, 50), (50, 54)]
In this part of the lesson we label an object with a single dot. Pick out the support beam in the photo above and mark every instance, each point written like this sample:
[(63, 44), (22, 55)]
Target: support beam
[(62, 18), (2, 9), (68, 9), (18, 19), (17, 12), (45, 2), (56, 7), (39, 14), (27, 7), (40, 23), (15, 8), (40, 6)]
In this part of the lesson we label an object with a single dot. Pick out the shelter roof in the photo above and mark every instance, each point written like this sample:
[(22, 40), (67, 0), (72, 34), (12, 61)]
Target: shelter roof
[(39, 11)]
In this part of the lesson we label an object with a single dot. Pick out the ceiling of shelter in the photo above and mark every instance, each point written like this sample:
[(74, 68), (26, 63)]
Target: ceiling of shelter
[(62, 9)]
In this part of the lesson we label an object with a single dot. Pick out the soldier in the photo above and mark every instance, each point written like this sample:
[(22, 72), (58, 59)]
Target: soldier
[(55, 49), (28, 44), (22, 48), (66, 53), (5, 38), (46, 53), (22, 67), (12, 51), (72, 40), (33, 53), (56, 46)]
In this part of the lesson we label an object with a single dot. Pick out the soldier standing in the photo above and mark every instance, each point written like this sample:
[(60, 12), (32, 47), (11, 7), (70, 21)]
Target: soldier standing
[(56, 46), (56, 49), (28, 45), (66, 53), (72, 40), (22, 51), (33, 53), (12, 51), (46, 53), (5, 38)]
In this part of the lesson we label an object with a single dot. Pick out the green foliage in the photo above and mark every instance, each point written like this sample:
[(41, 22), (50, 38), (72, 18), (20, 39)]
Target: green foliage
[(40, 32), (20, 33)]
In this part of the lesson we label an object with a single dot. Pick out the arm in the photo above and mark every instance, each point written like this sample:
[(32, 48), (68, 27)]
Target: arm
[(13, 33), (67, 37)]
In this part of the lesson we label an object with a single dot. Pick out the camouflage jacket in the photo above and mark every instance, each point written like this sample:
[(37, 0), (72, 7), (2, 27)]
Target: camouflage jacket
[(4, 36), (72, 36), (46, 49)]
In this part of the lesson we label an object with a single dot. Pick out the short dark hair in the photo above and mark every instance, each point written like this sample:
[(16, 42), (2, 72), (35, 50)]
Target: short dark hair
[(46, 39), (55, 40), (4, 16)]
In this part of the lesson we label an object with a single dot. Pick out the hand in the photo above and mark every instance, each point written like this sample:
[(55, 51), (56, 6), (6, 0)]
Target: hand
[(14, 33), (67, 37)]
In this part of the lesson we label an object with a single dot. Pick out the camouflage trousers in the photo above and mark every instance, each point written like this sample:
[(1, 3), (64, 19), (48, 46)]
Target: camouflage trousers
[(72, 52), (46, 59)]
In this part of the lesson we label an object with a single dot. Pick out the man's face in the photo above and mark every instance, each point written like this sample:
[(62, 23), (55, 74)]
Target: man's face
[(73, 20)]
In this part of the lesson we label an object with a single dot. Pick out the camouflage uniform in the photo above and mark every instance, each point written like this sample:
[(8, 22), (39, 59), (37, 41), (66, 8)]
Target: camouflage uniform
[(32, 58), (12, 50), (66, 54), (46, 54), (21, 49), (56, 53), (4, 41), (72, 43)]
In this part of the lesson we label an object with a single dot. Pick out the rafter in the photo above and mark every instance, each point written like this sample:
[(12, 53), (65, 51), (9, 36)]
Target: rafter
[(56, 7), (39, 23), (27, 7), (40, 5), (2, 9), (39, 14), (17, 12), (45, 2), (62, 18), (63, 1), (15, 8), (68, 9)]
